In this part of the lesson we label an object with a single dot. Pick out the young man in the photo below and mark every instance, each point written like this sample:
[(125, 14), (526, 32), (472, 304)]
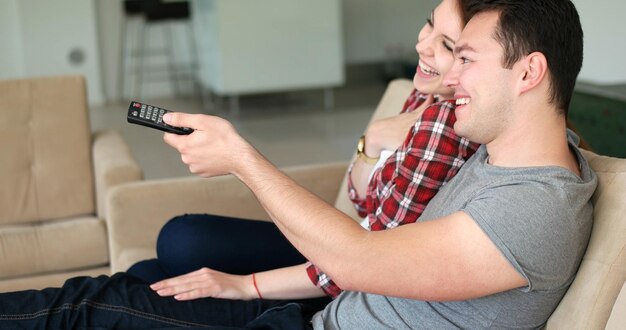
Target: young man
[(497, 247)]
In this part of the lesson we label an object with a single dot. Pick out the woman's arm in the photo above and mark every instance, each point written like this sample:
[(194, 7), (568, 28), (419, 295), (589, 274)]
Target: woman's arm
[(385, 134), (283, 283)]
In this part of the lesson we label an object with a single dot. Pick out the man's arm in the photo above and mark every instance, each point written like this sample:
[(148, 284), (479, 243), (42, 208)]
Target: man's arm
[(449, 258), (444, 259)]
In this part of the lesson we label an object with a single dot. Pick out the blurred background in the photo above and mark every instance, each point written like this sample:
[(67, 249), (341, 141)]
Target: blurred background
[(298, 78)]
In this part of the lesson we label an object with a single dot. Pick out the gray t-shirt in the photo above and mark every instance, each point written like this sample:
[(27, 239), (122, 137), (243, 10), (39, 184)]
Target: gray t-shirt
[(540, 218)]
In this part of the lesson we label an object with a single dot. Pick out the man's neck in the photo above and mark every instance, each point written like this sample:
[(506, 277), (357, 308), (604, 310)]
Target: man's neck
[(541, 141)]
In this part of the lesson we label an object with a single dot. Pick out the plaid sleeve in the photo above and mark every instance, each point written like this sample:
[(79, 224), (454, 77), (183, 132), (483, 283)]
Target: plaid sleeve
[(431, 155), (413, 101), (322, 281), (360, 204), (398, 193)]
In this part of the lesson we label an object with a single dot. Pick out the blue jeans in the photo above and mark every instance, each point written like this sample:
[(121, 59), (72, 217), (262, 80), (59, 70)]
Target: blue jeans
[(125, 302), (235, 246)]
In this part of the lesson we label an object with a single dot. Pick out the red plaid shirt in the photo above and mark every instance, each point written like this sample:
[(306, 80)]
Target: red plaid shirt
[(400, 190)]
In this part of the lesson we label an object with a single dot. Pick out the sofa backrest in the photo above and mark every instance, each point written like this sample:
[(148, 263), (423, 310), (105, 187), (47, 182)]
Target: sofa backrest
[(45, 163), (589, 301), (390, 104)]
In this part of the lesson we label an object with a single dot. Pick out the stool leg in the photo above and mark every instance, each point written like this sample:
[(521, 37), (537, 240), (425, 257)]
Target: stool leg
[(194, 57), (173, 73), (145, 29), (121, 65), (207, 99), (234, 105), (329, 99)]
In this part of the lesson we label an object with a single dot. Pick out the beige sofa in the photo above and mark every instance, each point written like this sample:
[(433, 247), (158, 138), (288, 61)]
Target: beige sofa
[(54, 175), (138, 210)]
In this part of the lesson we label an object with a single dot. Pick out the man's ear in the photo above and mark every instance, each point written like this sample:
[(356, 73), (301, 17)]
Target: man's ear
[(534, 68)]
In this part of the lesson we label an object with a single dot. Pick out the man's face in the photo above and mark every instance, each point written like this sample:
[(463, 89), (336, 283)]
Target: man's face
[(483, 88)]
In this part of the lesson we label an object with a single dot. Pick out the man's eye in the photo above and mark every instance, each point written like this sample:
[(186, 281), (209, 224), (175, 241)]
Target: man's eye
[(447, 46), (464, 60)]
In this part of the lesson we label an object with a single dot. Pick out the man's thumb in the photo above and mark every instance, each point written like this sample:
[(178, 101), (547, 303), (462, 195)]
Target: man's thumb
[(178, 119)]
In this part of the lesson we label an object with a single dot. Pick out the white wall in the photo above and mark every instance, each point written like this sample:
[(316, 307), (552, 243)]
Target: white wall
[(375, 30), (11, 64), (605, 43), (41, 35), (108, 22), (36, 36), (369, 27), (373, 26)]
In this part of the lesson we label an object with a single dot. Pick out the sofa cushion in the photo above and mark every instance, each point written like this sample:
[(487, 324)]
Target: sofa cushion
[(48, 280), (588, 302), (52, 246), (131, 256), (45, 166), (618, 314)]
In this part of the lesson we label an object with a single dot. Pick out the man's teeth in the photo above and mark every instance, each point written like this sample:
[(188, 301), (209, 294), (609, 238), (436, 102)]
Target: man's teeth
[(462, 101), (428, 70)]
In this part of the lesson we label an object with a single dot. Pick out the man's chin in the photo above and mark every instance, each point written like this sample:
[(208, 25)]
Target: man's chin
[(462, 130)]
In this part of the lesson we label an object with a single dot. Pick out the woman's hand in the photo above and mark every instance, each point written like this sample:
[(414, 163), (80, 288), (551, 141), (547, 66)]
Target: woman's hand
[(390, 133), (384, 134), (206, 282)]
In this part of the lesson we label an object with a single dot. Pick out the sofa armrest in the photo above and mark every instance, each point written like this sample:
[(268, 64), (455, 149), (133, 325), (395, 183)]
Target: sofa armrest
[(113, 164), (137, 211)]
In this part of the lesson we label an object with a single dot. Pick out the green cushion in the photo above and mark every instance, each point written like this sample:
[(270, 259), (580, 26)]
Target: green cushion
[(601, 122)]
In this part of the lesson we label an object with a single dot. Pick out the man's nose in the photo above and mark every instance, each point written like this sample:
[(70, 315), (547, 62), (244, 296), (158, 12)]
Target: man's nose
[(451, 79)]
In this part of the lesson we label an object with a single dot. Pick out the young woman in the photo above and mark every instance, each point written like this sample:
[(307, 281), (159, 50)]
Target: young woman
[(253, 276), (405, 159)]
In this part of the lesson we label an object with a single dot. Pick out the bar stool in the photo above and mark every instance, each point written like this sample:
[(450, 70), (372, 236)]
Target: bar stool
[(152, 13)]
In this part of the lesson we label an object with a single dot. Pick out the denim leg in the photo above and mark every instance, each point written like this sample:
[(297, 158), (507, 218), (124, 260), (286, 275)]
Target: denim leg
[(148, 270), (231, 245), (124, 302)]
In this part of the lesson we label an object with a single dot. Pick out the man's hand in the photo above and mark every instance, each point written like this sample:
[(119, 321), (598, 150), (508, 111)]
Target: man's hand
[(206, 282), (214, 148)]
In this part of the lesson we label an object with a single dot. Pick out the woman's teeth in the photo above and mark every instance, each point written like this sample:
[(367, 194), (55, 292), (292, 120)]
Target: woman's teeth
[(428, 70), (463, 101)]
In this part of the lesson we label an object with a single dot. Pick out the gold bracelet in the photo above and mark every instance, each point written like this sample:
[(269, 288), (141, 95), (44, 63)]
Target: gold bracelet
[(360, 152)]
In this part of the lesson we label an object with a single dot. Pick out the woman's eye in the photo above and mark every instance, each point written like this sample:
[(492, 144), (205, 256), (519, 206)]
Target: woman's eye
[(429, 22), (446, 46), (464, 60)]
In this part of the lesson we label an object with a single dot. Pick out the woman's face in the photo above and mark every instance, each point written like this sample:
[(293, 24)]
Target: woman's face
[(435, 45)]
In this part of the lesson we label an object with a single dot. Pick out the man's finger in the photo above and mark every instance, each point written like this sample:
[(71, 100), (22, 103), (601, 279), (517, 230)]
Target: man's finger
[(173, 139), (180, 119)]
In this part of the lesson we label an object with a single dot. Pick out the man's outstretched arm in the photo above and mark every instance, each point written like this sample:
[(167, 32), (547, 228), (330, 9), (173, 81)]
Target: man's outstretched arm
[(446, 259)]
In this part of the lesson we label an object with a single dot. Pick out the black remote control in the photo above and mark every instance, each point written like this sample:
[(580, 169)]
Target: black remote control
[(151, 116)]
